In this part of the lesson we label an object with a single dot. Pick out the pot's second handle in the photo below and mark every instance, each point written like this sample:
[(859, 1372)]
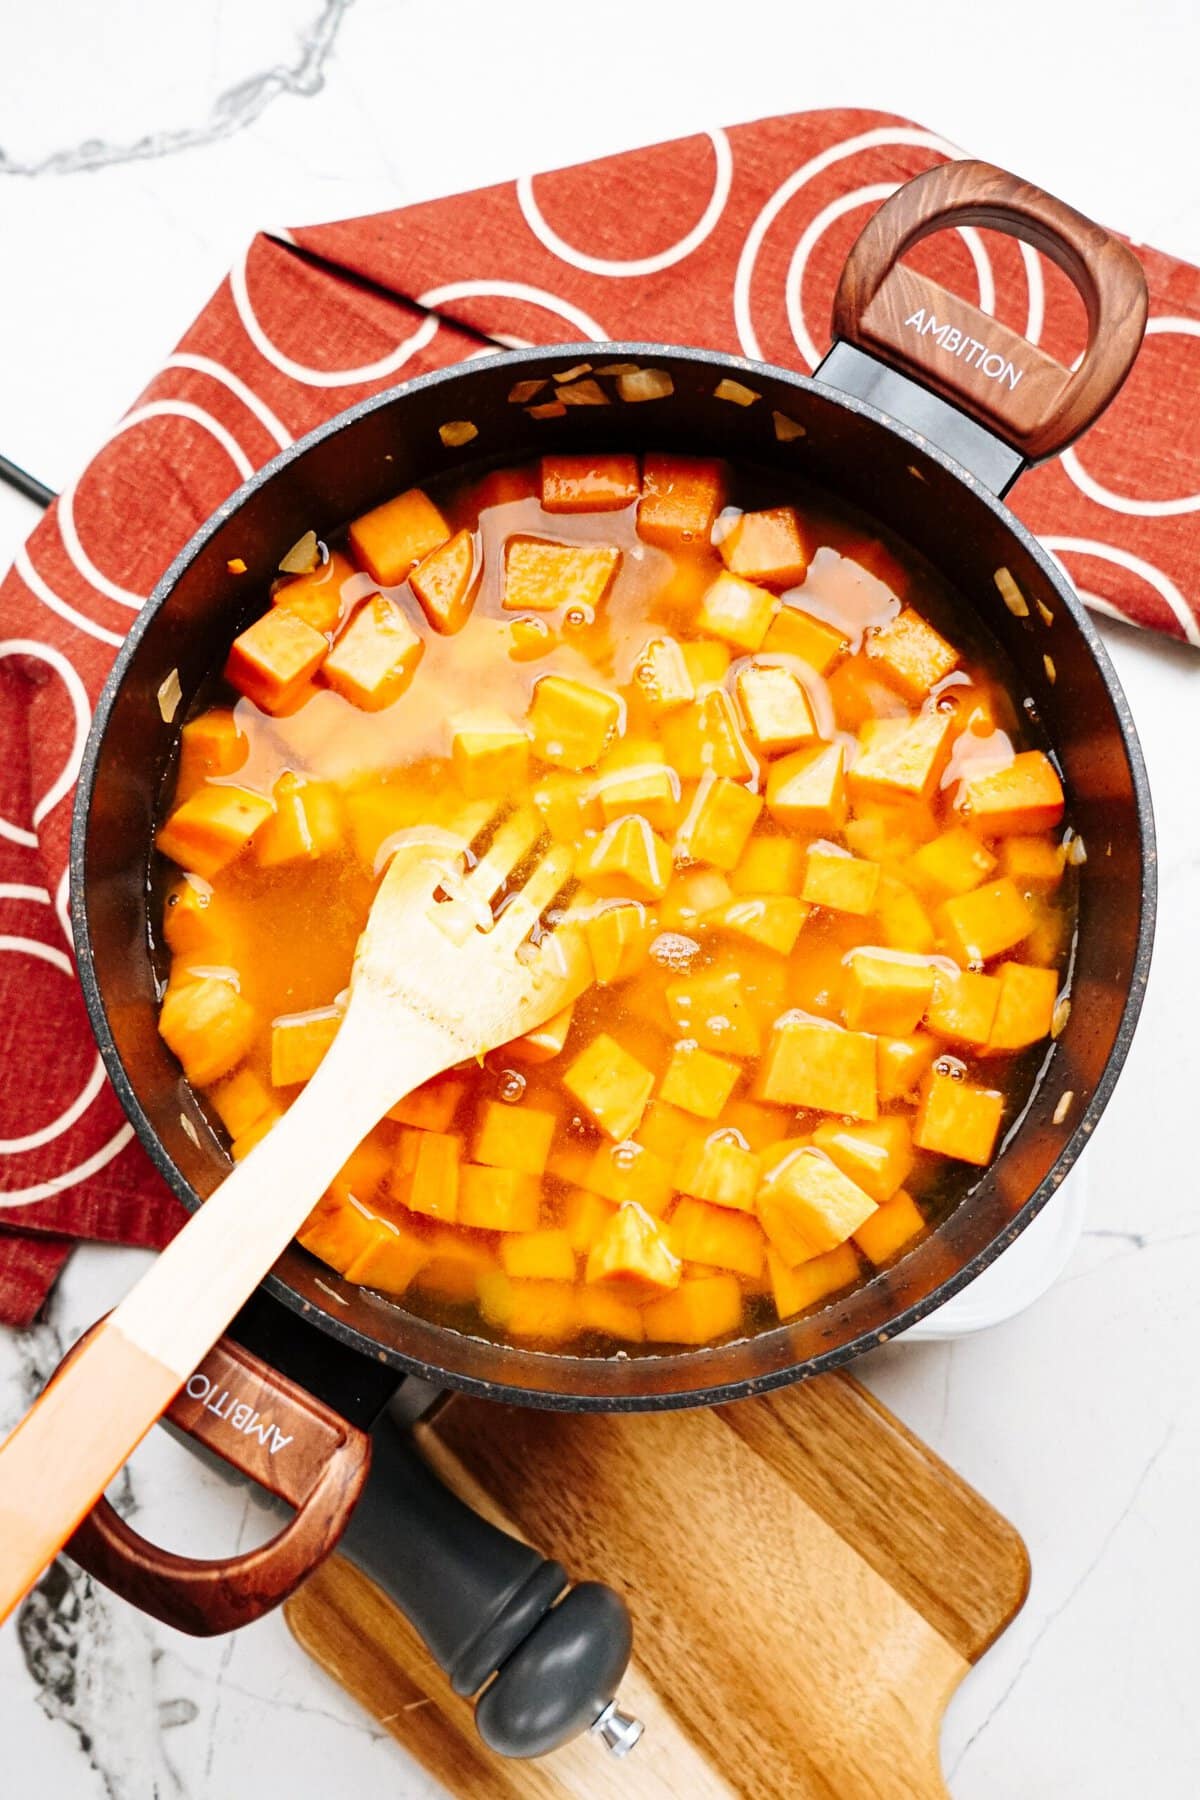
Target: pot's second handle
[(1025, 397), (291, 1444)]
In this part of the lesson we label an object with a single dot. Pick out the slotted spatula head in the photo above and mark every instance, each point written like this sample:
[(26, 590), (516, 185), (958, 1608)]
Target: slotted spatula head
[(474, 939)]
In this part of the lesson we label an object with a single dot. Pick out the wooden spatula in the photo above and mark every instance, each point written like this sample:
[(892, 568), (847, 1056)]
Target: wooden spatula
[(465, 949)]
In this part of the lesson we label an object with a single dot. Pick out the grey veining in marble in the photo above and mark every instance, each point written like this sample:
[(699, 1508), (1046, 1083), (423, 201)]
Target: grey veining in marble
[(232, 110)]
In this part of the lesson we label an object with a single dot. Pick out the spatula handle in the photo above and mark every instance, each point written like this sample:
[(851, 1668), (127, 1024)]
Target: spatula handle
[(63, 1455)]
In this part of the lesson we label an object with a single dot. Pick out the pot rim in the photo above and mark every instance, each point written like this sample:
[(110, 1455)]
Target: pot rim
[(562, 1397)]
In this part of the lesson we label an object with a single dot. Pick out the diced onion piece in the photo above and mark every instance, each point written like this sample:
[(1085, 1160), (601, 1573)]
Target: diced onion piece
[(303, 557), (456, 432), (522, 391), (618, 369), (787, 429), (583, 393), (236, 565), (169, 696), (1062, 1012), (549, 409), (1064, 1106), (1051, 671), (189, 1130), (575, 373), (1011, 594), (645, 384), (737, 391), (1047, 615), (1076, 851)]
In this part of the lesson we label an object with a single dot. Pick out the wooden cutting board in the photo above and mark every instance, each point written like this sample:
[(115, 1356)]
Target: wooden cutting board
[(808, 1584)]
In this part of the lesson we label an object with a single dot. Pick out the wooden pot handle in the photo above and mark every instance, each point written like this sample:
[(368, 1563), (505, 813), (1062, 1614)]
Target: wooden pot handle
[(293, 1445), (1024, 396)]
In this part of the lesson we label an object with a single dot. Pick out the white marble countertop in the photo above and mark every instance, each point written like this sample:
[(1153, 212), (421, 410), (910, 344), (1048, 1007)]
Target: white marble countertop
[(139, 147)]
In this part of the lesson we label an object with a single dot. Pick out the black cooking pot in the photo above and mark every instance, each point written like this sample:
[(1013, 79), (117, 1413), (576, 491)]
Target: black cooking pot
[(922, 415)]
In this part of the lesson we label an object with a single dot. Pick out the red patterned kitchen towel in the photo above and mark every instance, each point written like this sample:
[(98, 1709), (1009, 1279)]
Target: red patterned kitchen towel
[(732, 240)]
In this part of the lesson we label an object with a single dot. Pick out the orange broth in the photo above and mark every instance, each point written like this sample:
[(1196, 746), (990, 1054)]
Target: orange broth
[(820, 854)]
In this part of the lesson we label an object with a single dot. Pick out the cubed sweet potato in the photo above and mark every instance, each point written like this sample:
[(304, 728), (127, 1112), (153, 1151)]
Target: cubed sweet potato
[(901, 756), (489, 752), (632, 1253), (634, 778), (877, 1156), (698, 1081), (890, 1228), (572, 721), (775, 707), (433, 1105), (618, 936), (241, 1100), (952, 863), (627, 859), (582, 1216), (806, 790), (796, 633), (713, 1007), (795, 1289), (702, 1309), (212, 827), (393, 537), (704, 738), (662, 675), (812, 1063), (513, 1137), (1034, 863), (985, 922), (339, 1232), (498, 1199), (766, 546), (843, 883), (962, 1006), (807, 1205), (629, 1171), (589, 483), (299, 1042), (1024, 797), (541, 577), (736, 611), (375, 657), (912, 655), (769, 865), (546, 1041), (771, 920), (901, 1062), (212, 745), (611, 1085), (901, 920), (716, 1238), (885, 992), (1025, 1007), (307, 823), (208, 1025), (317, 596), (719, 1170), (681, 497), (274, 658), (544, 1255), (718, 822), (444, 582), (390, 1260), (425, 1176), (957, 1118)]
